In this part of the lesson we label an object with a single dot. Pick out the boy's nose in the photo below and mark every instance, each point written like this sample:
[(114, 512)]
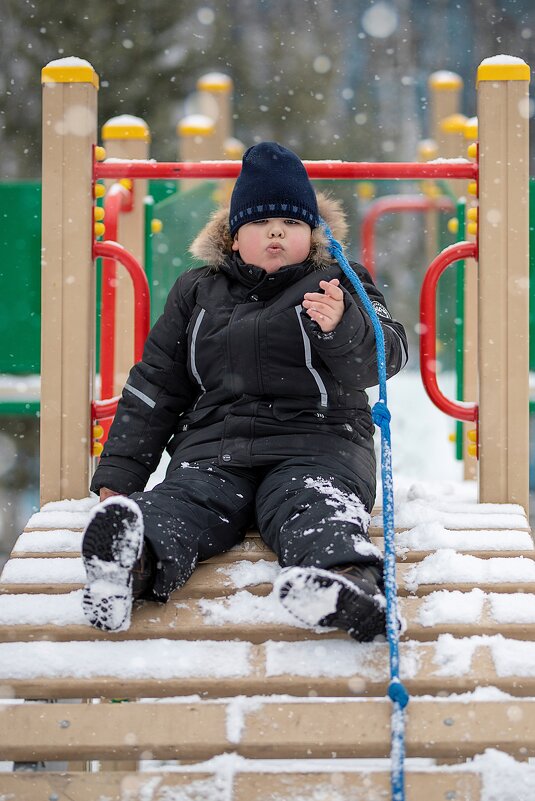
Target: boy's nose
[(276, 230)]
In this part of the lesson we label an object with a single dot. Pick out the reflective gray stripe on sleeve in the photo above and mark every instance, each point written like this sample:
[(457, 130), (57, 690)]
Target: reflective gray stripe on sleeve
[(192, 349), (140, 395), (405, 356), (308, 358)]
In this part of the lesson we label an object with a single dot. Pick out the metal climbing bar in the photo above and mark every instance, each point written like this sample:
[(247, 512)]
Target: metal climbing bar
[(335, 170)]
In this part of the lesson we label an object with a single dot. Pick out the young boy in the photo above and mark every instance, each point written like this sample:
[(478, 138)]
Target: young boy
[(254, 379)]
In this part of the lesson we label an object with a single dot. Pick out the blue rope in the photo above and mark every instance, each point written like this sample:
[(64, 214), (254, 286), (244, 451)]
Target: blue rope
[(381, 417)]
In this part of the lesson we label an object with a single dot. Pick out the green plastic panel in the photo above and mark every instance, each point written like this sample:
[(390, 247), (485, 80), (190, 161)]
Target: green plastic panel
[(20, 277)]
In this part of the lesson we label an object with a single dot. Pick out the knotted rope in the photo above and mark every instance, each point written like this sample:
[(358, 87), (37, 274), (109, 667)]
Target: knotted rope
[(381, 417)]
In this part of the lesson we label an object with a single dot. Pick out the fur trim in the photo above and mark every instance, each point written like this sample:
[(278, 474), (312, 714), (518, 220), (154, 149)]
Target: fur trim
[(214, 243)]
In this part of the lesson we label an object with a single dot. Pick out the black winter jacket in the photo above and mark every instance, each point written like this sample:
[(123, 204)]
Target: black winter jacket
[(236, 372)]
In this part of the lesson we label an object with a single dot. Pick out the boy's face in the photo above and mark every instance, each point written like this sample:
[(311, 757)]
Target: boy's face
[(273, 243)]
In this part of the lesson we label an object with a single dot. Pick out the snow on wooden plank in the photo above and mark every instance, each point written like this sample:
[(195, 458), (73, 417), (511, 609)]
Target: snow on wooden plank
[(253, 727), (260, 782)]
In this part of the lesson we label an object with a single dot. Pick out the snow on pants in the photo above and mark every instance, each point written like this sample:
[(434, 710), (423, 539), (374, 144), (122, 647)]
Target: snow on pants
[(307, 513)]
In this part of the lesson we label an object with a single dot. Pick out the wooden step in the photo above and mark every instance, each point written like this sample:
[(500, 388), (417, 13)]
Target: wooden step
[(252, 618), (334, 668), (260, 783), (259, 726), (210, 580)]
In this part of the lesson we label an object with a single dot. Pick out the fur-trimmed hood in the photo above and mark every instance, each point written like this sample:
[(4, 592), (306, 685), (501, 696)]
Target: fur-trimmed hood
[(214, 243)]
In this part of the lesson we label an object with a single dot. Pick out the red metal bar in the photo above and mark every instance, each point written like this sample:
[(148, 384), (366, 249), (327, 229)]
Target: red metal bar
[(118, 199), (389, 204), (113, 250), (316, 169), (460, 410)]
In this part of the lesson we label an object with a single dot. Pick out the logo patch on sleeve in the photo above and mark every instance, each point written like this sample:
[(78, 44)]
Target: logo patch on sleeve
[(381, 310)]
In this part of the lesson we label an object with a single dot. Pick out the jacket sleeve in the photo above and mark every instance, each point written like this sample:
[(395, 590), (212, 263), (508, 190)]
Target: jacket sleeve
[(157, 391), (350, 351)]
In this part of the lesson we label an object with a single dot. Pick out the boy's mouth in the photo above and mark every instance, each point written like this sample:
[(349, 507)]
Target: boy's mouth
[(275, 248)]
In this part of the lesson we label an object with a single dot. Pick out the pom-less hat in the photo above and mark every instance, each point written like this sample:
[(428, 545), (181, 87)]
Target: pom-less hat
[(273, 183)]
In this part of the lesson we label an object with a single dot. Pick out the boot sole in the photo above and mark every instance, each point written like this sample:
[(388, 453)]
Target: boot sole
[(355, 611), (112, 543)]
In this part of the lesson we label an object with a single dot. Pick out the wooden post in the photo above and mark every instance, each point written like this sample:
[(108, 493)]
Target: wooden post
[(127, 137), (452, 131), (502, 110), (215, 94), (195, 143), (444, 99), (68, 277), (427, 151), (470, 367)]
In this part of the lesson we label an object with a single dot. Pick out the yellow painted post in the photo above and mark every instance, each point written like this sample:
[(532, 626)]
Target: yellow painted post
[(127, 137), (470, 367), (68, 277), (215, 95), (503, 114), (452, 132), (195, 133)]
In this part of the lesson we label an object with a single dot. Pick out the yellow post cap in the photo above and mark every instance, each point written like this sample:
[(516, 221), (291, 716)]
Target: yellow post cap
[(452, 437), (98, 447), (472, 188), (127, 183), (471, 128), (99, 228), (100, 153), (365, 190), (215, 82), (472, 434), (503, 68), (427, 149), (98, 431), (69, 70), (100, 190), (472, 449), (444, 80), (156, 226), (195, 125), (126, 126), (454, 123), (98, 213)]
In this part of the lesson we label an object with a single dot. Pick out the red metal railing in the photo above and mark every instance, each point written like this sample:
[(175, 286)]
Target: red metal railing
[(460, 410), (344, 170), (104, 410), (118, 199), (387, 205)]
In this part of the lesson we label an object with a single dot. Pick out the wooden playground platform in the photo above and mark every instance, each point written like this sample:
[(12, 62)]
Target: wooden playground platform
[(237, 697)]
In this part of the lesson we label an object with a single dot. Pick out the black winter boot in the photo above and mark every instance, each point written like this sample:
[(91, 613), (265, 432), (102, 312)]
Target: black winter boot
[(349, 597), (112, 547)]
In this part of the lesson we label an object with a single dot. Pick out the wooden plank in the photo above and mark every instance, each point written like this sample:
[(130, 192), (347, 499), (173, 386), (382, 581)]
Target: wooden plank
[(278, 729), (209, 581), (187, 622), (257, 786), (421, 669)]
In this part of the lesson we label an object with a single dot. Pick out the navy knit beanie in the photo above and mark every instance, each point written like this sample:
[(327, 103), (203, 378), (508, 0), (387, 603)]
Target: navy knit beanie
[(272, 183)]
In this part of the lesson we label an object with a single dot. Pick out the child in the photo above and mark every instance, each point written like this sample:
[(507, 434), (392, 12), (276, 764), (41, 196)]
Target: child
[(254, 379)]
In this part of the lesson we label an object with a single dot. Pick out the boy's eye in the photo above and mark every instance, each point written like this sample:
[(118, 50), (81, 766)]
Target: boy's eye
[(259, 222)]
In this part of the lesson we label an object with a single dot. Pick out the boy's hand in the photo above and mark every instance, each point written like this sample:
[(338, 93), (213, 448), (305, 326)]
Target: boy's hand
[(104, 493), (325, 309)]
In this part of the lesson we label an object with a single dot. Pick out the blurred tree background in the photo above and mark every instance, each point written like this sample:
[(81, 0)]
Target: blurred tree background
[(330, 78)]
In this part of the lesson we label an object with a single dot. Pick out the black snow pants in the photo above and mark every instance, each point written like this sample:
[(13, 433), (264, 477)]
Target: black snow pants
[(309, 514)]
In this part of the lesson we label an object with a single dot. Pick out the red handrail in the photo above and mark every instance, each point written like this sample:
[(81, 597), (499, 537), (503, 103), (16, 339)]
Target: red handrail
[(460, 410), (118, 199), (386, 205), (104, 410), (121, 168)]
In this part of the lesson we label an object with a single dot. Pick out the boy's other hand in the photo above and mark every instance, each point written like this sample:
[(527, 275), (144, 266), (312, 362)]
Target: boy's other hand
[(107, 493), (325, 308)]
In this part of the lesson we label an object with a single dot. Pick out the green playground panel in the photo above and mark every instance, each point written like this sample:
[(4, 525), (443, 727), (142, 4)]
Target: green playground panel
[(20, 277)]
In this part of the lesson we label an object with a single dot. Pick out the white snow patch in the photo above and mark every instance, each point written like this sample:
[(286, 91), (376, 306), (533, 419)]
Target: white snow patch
[(432, 536), (451, 607), (518, 607), (454, 656), (43, 571), (52, 541), (502, 59), (237, 709), (412, 513), (42, 610), (58, 519), (135, 659), (72, 505), (245, 574), (244, 607), (446, 566)]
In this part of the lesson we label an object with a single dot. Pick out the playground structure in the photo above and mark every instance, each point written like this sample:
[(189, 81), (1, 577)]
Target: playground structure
[(342, 724)]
